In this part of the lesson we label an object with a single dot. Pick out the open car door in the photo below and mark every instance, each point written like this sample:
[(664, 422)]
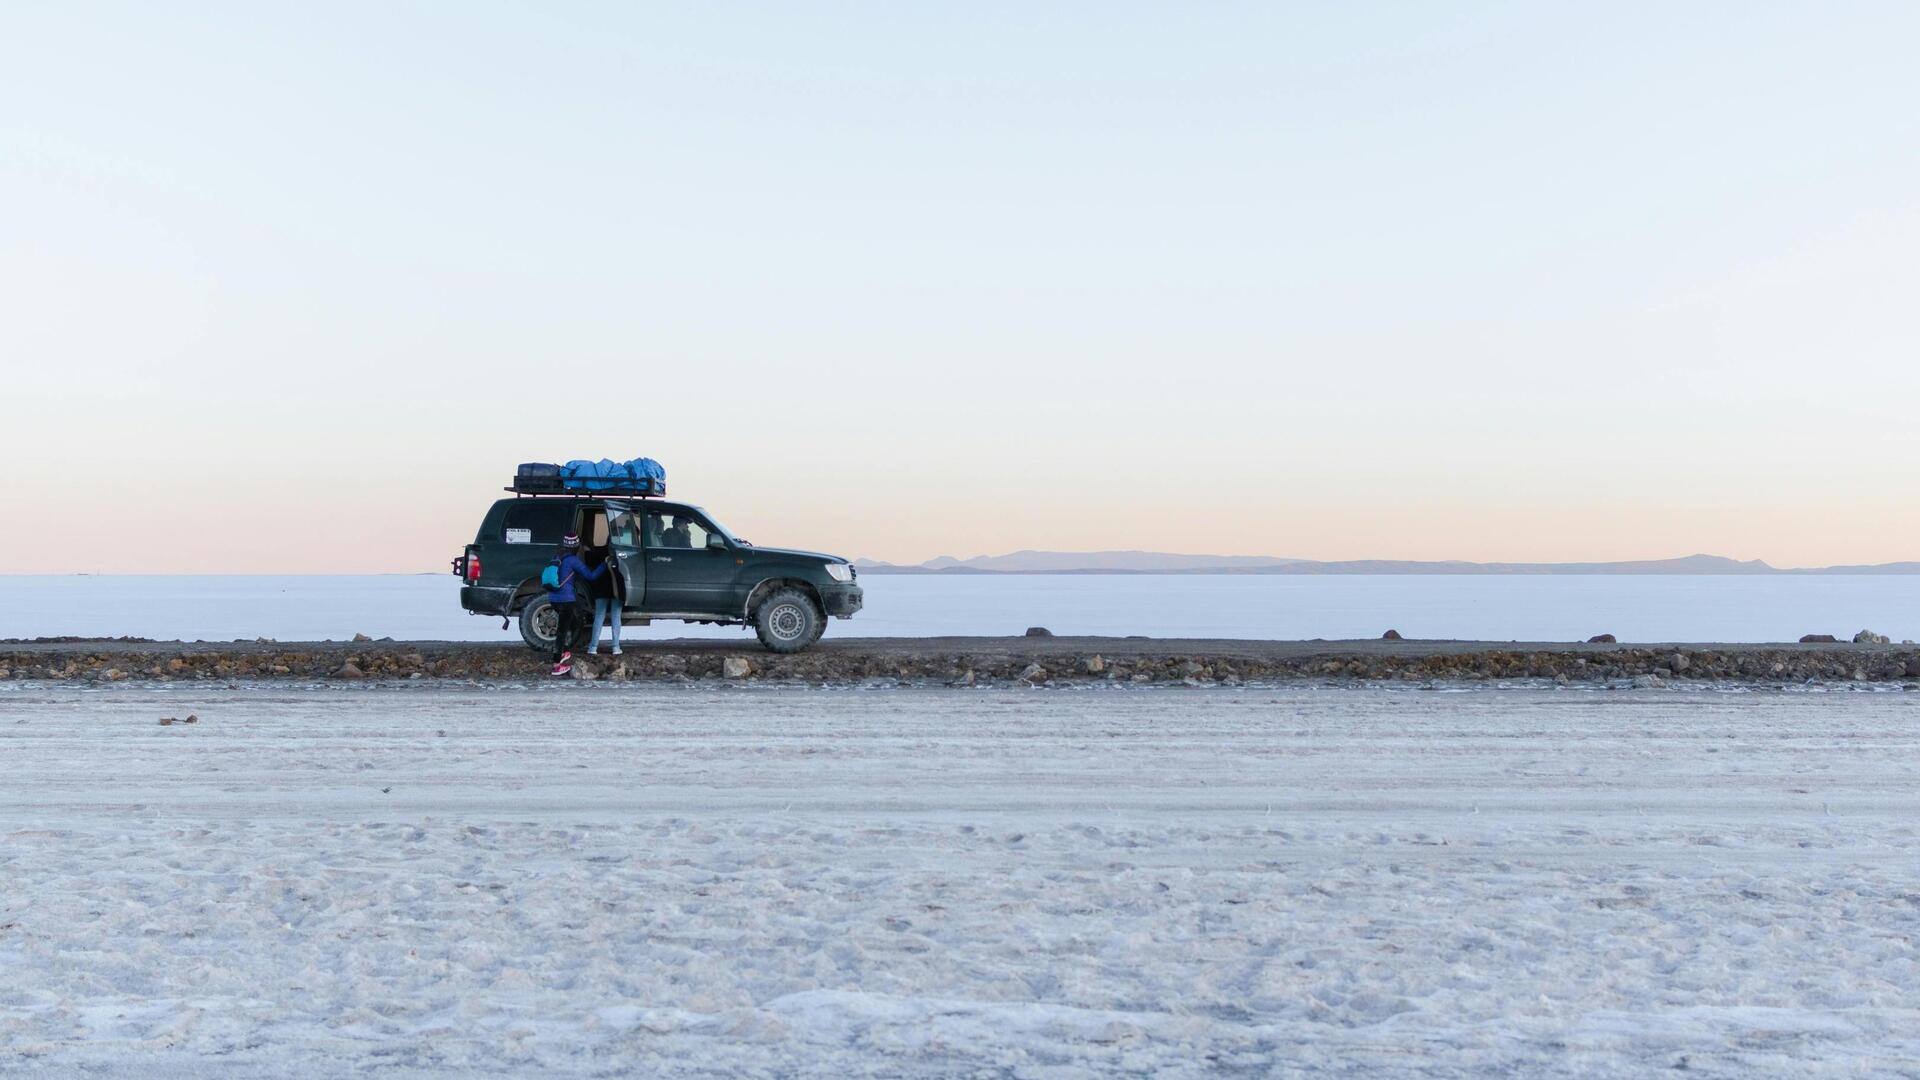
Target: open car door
[(623, 540)]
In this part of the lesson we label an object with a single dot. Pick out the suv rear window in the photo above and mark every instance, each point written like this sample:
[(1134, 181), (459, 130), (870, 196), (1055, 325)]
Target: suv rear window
[(545, 519)]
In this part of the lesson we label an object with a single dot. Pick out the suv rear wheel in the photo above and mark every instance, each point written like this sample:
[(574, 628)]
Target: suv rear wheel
[(788, 621), (538, 621)]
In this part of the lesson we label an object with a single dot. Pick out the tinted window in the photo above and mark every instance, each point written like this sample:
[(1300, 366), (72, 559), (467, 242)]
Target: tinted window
[(547, 519), (675, 529), (626, 530)]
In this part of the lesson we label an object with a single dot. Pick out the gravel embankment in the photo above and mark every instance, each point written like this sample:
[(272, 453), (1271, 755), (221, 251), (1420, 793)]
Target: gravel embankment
[(970, 661)]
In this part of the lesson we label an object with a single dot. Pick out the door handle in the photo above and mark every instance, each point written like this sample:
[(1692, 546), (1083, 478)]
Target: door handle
[(663, 558)]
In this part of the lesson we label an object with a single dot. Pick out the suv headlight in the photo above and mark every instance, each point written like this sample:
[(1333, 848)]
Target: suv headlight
[(840, 571)]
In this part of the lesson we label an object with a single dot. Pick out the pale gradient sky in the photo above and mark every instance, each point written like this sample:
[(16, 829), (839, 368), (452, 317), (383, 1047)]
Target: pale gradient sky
[(292, 288)]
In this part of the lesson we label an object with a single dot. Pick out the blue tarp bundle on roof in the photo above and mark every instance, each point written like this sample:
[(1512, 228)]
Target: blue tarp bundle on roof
[(636, 474)]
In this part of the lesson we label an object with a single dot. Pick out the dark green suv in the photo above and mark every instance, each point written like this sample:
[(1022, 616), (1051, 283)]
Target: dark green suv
[(670, 561)]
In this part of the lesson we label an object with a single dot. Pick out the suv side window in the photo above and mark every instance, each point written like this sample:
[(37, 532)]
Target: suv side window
[(545, 520), (676, 530), (626, 530)]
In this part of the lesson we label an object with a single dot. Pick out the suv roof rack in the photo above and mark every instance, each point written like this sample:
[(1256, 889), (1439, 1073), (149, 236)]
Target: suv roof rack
[(552, 487)]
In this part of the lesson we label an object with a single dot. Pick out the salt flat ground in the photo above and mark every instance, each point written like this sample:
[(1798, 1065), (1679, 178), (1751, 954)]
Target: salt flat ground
[(599, 880)]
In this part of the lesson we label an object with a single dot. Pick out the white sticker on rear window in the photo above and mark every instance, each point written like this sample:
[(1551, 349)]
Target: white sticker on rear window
[(519, 536)]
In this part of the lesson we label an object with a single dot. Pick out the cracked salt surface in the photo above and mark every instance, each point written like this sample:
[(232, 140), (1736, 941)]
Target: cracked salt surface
[(568, 881)]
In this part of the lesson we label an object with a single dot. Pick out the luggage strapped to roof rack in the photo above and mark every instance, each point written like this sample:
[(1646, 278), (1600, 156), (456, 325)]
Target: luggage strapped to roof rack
[(639, 477)]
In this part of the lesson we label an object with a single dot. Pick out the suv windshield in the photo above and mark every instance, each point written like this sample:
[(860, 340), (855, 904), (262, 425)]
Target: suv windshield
[(712, 525)]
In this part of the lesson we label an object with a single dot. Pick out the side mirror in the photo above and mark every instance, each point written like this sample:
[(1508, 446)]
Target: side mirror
[(715, 542)]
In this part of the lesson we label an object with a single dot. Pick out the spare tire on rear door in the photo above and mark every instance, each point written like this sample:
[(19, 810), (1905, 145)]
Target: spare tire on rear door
[(788, 621)]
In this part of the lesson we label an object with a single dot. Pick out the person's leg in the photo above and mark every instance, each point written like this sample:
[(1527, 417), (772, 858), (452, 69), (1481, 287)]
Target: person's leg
[(564, 618), (600, 606), (613, 617)]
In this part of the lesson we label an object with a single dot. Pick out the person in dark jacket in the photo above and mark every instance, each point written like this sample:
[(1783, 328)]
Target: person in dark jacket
[(606, 600), (566, 603)]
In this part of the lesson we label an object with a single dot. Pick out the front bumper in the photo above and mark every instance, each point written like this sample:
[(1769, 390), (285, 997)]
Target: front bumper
[(486, 599), (841, 601)]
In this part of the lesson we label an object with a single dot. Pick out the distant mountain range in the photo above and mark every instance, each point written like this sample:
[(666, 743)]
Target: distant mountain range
[(1159, 562)]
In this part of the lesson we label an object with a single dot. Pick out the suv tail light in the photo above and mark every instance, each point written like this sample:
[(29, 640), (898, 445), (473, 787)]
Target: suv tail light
[(473, 568)]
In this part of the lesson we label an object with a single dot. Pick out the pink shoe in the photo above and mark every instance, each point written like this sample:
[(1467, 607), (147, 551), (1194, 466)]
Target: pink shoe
[(562, 668)]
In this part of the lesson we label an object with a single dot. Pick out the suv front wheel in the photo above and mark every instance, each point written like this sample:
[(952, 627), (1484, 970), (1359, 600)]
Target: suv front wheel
[(788, 621)]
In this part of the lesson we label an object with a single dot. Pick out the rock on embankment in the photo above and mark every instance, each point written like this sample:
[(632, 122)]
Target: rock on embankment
[(1004, 663)]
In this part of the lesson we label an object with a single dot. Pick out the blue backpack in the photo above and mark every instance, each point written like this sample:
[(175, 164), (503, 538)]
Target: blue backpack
[(550, 577)]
